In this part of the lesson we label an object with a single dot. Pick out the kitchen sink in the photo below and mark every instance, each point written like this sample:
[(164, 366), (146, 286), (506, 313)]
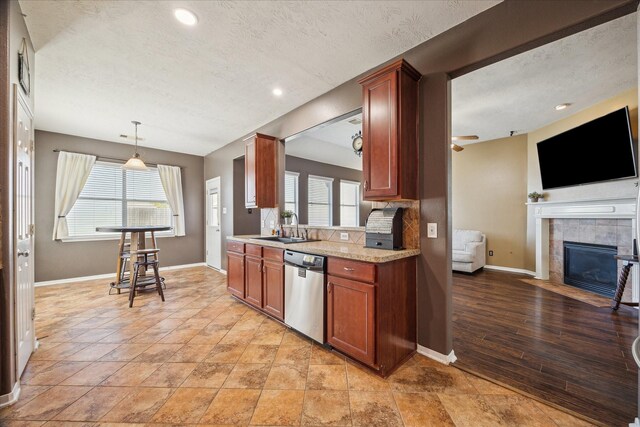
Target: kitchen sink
[(286, 240)]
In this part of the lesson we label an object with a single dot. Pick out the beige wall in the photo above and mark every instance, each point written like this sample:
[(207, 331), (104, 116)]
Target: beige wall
[(622, 188), (489, 191), (59, 260)]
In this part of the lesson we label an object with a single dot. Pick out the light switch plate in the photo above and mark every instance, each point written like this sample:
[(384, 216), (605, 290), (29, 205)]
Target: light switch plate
[(432, 230), (344, 236)]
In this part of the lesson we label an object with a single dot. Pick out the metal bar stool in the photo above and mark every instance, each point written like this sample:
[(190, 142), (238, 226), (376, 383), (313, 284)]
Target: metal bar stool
[(145, 258)]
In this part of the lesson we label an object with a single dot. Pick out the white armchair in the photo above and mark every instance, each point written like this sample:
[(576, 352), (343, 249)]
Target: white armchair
[(469, 250)]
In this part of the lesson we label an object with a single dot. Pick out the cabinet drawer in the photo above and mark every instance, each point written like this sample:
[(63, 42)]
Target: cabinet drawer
[(253, 250), (362, 271), (273, 254), (235, 247)]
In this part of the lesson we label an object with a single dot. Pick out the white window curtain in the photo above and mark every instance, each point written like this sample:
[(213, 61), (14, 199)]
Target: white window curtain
[(172, 183), (71, 175)]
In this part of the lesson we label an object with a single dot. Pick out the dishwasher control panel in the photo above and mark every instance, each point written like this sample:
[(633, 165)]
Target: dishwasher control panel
[(308, 261)]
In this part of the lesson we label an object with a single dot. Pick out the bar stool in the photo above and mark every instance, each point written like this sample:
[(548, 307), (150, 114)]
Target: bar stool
[(145, 258)]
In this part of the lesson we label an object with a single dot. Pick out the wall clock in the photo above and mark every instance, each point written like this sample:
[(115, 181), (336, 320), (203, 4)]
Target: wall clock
[(356, 143)]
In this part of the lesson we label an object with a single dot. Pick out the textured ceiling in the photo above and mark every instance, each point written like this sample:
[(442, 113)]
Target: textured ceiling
[(101, 64), (521, 92)]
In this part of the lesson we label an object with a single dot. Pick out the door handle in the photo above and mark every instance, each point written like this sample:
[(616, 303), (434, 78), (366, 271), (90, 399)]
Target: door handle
[(349, 269), (24, 254)]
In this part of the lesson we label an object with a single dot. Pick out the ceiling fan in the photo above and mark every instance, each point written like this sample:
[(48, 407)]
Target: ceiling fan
[(458, 148)]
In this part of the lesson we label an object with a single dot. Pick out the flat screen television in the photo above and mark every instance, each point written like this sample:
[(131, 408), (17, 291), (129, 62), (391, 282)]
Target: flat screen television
[(599, 150)]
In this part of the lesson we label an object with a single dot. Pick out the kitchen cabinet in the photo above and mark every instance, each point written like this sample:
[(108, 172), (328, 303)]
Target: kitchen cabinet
[(235, 269), (260, 171), (253, 275), (390, 133), (371, 311), (351, 318)]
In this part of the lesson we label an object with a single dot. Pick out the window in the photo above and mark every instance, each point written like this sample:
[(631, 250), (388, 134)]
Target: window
[(115, 196), (349, 203), (291, 191), (320, 200)]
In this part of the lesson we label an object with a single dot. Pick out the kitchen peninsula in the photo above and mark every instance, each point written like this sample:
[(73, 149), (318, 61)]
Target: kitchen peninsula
[(370, 294)]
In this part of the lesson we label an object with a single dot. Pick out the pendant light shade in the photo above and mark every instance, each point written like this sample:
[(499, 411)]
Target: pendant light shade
[(135, 163)]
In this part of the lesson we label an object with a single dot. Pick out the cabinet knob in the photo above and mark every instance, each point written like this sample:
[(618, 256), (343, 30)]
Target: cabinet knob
[(329, 287), (366, 184)]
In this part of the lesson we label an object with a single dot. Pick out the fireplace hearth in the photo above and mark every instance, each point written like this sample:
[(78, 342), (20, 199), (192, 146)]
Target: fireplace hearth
[(591, 267)]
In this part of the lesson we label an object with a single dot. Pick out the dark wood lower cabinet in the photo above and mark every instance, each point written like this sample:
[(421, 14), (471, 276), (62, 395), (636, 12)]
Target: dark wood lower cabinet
[(273, 289), (235, 274), (253, 281), (371, 311), (351, 318)]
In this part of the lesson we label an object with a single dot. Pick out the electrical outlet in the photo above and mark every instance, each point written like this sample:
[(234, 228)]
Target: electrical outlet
[(432, 230), (344, 236), (224, 211), (490, 253)]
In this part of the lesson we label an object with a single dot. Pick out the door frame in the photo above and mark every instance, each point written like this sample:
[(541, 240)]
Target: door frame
[(18, 98), (206, 219)]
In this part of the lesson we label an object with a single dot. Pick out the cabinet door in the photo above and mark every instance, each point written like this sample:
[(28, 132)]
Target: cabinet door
[(235, 274), (380, 136), (273, 284), (351, 316), (253, 280), (250, 173)]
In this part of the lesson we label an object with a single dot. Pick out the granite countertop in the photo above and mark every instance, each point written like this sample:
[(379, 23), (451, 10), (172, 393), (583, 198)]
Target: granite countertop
[(335, 249)]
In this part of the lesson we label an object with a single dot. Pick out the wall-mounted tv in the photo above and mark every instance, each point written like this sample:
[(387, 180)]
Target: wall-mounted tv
[(599, 150)]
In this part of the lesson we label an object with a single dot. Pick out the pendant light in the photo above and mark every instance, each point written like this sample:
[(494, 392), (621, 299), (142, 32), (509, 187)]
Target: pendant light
[(135, 163)]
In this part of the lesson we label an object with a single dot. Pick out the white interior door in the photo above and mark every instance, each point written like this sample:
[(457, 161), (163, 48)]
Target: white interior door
[(214, 234), (23, 199)]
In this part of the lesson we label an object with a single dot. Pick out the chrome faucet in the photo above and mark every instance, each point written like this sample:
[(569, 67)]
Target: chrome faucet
[(297, 223)]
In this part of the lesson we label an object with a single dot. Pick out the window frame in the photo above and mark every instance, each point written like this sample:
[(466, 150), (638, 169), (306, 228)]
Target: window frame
[(116, 236), (296, 191), (330, 204), (357, 205)]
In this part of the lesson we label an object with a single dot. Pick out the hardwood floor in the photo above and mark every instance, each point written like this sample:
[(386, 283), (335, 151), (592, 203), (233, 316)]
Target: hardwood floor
[(556, 348), (204, 358)]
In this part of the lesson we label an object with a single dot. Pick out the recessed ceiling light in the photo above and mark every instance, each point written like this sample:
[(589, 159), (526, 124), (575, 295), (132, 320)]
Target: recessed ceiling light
[(562, 106), (277, 91), (186, 17)]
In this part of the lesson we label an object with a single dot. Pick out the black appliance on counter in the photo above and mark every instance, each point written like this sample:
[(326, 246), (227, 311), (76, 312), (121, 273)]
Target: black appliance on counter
[(384, 229)]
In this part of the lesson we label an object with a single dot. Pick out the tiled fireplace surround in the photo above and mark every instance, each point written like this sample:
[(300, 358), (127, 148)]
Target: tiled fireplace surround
[(606, 222)]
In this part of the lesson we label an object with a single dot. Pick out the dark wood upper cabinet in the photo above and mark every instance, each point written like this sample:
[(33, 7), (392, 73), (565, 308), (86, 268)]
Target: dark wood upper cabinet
[(260, 171), (390, 133)]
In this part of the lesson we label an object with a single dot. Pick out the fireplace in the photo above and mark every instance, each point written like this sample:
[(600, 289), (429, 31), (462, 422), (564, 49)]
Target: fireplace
[(591, 267)]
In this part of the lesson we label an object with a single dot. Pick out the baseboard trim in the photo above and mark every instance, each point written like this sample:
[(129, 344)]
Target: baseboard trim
[(636, 423), (11, 398), (110, 275), (445, 359), (219, 270), (510, 269)]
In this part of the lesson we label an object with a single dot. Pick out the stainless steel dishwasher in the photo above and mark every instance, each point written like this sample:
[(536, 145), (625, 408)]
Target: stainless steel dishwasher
[(304, 283)]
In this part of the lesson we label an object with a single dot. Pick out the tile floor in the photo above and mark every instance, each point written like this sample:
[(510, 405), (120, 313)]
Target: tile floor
[(203, 358)]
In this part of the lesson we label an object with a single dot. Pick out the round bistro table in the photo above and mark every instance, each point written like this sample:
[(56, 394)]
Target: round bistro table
[(137, 241)]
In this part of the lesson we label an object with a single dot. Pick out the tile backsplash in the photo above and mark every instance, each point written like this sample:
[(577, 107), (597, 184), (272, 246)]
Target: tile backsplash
[(356, 235)]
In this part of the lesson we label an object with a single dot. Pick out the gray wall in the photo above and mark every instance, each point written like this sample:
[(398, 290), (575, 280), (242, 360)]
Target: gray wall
[(245, 221), (58, 260), (307, 167)]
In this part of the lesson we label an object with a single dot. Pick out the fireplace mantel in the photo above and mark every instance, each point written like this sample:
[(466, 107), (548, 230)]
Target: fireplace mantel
[(614, 208)]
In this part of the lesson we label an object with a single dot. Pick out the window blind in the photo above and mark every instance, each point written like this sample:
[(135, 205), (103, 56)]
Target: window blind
[(291, 192), (320, 203), (115, 196), (349, 203)]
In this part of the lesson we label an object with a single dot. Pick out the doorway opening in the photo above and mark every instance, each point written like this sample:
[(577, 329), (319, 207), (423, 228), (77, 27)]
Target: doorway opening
[(213, 234)]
